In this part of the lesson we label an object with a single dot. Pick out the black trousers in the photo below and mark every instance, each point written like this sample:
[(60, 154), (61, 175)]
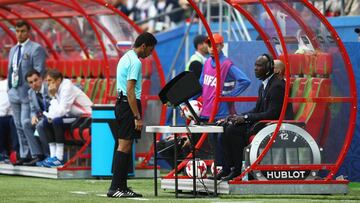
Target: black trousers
[(235, 139), (8, 134), (55, 131)]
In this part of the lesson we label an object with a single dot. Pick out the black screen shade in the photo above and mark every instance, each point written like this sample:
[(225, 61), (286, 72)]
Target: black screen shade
[(180, 89)]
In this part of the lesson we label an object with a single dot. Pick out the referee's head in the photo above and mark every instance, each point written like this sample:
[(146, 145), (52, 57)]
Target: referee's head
[(144, 44)]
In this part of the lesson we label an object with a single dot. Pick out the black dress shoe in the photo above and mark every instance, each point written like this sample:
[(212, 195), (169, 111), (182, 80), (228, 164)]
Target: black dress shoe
[(232, 175), (220, 175), (20, 162), (32, 162)]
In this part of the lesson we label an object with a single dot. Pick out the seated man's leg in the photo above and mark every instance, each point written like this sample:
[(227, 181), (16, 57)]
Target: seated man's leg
[(35, 149), (55, 133), (234, 140), (50, 135), (43, 138), (226, 145), (14, 136), (222, 158), (3, 132), (10, 142), (59, 131), (218, 148), (166, 151)]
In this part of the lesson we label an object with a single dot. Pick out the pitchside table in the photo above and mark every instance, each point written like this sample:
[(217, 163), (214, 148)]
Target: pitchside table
[(176, 130)]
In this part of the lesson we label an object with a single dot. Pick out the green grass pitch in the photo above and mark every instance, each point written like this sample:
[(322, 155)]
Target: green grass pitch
[(26, 189)]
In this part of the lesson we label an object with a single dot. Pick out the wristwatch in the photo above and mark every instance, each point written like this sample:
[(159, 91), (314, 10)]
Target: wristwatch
[(138, 117)]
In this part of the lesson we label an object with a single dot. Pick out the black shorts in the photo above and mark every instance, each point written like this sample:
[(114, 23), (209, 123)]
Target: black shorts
[(126, 120)]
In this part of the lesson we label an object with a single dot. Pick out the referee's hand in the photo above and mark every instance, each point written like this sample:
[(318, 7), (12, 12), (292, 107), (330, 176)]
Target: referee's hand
[(138, 124)]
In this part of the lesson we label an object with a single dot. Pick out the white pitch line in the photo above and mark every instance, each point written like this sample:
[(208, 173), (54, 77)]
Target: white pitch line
[(140, 199), (79, 192), (101, 195)]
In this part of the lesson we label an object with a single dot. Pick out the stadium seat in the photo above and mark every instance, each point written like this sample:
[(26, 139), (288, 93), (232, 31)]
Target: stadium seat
[(86, 134), (112, 67), (78, 135), (77, 128), (296, 62), (77, 68), (84, 129), (95, 90), (99, 94), (311, 113), (309, 68), (4, 68), (300, 88), (89, 86), (85, 67), (68, 137), (50, 64), (95, 70), (112, 91), (323, 64), (69, 69), (61, 66), (102, 69)]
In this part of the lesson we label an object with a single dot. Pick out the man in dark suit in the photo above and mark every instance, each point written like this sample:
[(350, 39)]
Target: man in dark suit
[(268, 107), (39, 102), (25, 55)]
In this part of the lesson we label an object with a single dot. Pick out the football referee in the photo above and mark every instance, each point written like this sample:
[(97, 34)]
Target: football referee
[(128, 112)]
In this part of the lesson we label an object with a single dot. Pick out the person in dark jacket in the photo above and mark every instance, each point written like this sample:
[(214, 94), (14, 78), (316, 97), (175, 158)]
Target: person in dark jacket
[(268, 107)]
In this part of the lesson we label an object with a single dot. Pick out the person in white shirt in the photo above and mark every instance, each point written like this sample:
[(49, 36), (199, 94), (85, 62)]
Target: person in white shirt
[(68, 103), (7, 126)]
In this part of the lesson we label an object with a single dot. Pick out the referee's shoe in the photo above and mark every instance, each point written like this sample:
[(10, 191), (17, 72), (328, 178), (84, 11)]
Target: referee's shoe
[(126, 193)]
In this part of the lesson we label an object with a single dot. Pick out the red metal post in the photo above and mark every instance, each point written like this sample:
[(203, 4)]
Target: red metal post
[(68, 28), (9, 32), (351, 77), (34, 26), (286, 98)]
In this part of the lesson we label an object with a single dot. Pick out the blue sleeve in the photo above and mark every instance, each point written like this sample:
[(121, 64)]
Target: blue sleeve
[(201, 79), (241, 81), (133, 71)]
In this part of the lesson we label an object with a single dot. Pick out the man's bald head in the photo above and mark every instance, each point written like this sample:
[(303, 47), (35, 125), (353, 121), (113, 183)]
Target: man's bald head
[(279, 68)]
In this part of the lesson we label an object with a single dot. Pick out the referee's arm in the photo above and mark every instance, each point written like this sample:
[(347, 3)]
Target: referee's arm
[(130, 90)]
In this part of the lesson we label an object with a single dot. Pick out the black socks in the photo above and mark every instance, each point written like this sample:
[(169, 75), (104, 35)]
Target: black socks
[(121, 165)]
